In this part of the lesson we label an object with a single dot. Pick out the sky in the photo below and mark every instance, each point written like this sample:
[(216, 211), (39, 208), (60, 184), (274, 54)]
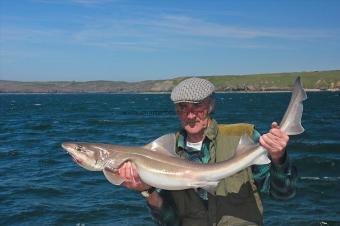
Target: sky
[(135, 40)]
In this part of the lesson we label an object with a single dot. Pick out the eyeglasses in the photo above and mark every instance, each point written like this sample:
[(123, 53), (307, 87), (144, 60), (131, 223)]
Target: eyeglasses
[(199, 109)]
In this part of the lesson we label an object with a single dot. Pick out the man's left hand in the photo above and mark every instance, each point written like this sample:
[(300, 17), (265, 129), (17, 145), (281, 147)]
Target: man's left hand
[(275, 141)]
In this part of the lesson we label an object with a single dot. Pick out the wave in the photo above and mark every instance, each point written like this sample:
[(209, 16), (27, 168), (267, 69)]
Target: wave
[(313, 178)]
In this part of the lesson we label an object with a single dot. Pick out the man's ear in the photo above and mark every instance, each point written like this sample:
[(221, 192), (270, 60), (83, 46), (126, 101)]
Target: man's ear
[(211, 106)]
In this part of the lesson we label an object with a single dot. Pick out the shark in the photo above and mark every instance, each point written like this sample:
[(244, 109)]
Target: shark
[(159, 166)]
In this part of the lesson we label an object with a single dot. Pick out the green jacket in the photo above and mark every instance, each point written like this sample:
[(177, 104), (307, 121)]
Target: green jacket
[(237, 200)]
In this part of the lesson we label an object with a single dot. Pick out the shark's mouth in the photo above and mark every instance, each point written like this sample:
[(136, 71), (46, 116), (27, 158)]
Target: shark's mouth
[(78, 161)]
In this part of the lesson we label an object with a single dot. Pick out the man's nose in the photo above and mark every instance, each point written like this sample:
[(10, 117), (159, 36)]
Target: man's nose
[(191, 115)]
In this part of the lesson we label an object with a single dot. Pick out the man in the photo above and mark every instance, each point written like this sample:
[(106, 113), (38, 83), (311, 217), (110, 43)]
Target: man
[(236, 200)]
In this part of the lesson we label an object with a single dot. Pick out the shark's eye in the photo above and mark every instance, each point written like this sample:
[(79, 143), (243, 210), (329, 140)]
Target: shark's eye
[(79, 148)]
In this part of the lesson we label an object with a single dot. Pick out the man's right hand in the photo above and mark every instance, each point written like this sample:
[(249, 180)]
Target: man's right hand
[(129, 172)]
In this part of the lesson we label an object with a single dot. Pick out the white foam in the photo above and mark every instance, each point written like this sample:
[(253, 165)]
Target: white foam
[(321, 178)]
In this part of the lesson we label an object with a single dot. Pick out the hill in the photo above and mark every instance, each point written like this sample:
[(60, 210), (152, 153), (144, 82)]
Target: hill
[(316, 80)]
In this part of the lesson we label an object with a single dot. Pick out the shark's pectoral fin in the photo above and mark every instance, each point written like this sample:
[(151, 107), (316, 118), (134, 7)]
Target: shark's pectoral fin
[(112, 177)]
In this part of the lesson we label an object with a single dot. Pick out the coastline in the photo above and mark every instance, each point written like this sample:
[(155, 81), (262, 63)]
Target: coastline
[(158, 93), (314, 81)]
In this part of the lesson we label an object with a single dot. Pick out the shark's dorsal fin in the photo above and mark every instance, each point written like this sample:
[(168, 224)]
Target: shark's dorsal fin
[(245, 139), (165, 144), (246, 144)]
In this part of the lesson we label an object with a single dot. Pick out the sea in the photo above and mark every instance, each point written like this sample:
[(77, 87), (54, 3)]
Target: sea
[(41, 185)]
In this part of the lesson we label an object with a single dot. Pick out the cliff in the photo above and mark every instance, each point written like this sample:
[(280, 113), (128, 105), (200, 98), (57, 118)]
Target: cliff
[(316, 80)]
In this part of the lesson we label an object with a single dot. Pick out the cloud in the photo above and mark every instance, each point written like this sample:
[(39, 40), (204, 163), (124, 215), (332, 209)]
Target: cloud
[(31, 34), (184, 32), (157, 32), (189, 26), (91, 1), (78, 2)]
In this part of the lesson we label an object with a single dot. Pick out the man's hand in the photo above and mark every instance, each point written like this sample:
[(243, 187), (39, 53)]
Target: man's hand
[(275, 141), (129, 172)]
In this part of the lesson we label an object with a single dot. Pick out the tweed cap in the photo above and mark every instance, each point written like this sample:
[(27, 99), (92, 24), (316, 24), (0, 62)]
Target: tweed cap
[(192, 90)]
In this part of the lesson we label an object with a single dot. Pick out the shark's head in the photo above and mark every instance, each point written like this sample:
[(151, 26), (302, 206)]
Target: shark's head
[(84, 155)]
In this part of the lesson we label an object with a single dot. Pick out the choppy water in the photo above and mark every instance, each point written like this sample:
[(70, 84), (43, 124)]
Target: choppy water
[(40, 185)]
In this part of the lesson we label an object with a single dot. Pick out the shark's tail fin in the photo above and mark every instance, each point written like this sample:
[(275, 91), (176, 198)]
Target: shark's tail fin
[(291, 121)]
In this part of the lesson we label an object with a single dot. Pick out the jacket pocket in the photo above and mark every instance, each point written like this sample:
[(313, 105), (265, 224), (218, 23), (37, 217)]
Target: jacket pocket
[(238, 187)]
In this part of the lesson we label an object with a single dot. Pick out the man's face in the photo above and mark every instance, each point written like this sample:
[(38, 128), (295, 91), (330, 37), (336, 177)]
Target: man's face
[(194, 117)]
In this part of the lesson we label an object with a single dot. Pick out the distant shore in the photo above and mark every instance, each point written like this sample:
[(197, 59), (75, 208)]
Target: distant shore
[(314, 81), (158, 93)]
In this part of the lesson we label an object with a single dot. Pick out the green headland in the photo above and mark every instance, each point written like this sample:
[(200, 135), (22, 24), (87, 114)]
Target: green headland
[(313, 81)]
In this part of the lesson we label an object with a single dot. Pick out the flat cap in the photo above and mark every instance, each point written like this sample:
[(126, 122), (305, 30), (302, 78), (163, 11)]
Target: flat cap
[(192, 90)]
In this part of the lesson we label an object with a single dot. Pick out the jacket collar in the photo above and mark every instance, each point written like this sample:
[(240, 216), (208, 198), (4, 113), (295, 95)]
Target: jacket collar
[(210, 133), (212, 130)]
